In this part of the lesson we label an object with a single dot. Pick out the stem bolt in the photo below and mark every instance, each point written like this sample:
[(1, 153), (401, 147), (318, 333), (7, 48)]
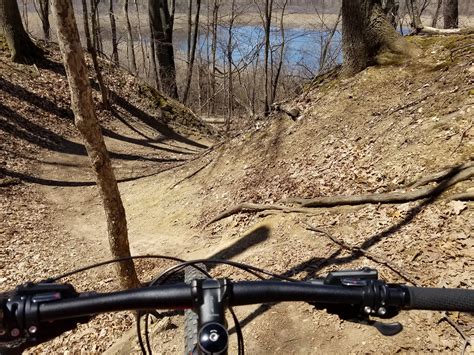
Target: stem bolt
[(382, 311), (15, 332), (367, 309), (33, 329)]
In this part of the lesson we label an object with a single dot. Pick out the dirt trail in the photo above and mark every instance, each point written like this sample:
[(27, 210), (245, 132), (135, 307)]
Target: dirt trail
[(366, 134)]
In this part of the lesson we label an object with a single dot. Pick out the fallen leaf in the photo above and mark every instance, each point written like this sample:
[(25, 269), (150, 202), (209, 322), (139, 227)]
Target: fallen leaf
[(457, 206)]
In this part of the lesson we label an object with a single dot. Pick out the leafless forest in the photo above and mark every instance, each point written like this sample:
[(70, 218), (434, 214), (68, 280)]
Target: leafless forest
[(224, 65)]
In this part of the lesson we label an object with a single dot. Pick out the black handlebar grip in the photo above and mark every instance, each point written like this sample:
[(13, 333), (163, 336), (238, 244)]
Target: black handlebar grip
[(441, 299)]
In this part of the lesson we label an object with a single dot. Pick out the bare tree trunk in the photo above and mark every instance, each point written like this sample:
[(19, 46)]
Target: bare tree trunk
[(22, 48), (96, 30), (208, 58), (391, 10), (192, 54), (282, 54), (267, 26), (42, 8), (87, 33), (414, 12), (140, 38), (25, 14), (450, 14), (327, 44), (190, 30), (113, 27), (215, 17), (230, 93), (173, 12), (154, 65), (86, 122), (130, 44), (366, 33), (434, 23), (93, 51), (200, 84), (161, 25)]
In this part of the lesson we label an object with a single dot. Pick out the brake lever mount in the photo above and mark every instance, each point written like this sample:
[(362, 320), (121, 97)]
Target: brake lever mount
[(372, 305), (20, 325)]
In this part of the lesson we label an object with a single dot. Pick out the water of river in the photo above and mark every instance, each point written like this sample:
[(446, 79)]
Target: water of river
[(301, 53)]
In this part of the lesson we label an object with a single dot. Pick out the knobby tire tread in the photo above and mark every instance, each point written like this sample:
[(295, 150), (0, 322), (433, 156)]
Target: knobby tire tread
[(190, 317)]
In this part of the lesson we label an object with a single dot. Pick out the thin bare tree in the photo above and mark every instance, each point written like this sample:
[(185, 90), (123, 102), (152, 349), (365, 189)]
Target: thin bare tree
[(230, 83), (42, 9), (161, 25), (434, 22), (192, 54), (92, 49), (276, 79), (88, 125), (130, 44), (215, 18), (113, 27)]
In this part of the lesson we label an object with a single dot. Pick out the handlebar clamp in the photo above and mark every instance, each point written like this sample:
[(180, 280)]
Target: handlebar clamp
[(20, 323)]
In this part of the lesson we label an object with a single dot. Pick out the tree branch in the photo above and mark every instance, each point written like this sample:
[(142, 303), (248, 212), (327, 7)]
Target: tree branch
[(367, 254)]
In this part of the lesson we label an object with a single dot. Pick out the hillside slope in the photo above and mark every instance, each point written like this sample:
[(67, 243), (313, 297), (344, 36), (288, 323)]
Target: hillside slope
[(375, 132)]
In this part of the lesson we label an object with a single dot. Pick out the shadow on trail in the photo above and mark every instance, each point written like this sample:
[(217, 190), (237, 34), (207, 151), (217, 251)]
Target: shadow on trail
[(36, 100), (152, 122), (13, 123), (18, 126), (316, 264), (59, 183), (249, 240), (45, 138), (114, 135)]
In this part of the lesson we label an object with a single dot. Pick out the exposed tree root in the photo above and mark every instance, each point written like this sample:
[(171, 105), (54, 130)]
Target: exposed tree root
[(445, 179), (439, 175), (463, 196), (257, 207), (8, 181), (389, 197)]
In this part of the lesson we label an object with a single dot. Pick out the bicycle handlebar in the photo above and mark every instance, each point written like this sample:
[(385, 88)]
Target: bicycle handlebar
[(26, 312), (441, 299), (179, 296)]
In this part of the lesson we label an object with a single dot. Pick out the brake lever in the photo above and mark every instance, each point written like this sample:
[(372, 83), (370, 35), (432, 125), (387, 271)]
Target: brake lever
[(20, 323), (356, 313)]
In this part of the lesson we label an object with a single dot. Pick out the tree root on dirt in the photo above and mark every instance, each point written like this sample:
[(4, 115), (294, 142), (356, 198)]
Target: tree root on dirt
[(466, 338), (463, 196), (8, 181), (243, 207), (439, 175), (444, 179), (389, 197)]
